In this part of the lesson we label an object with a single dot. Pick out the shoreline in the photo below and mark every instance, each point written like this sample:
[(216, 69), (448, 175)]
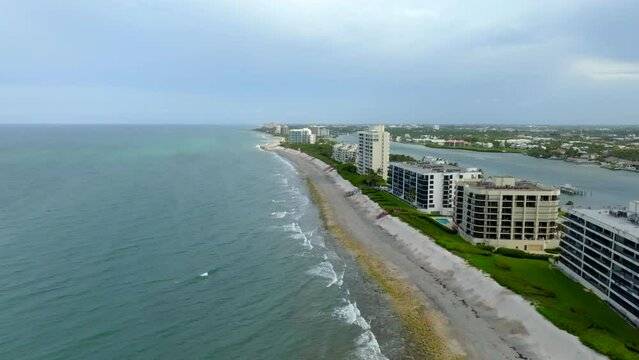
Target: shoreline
[(425, 330), (471, 316)]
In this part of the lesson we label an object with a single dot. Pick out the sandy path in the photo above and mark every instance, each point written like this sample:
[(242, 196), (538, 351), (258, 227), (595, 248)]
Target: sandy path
[(489, 321)]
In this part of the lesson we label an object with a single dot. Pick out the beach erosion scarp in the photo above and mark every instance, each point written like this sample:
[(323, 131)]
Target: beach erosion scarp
[(450, 309)]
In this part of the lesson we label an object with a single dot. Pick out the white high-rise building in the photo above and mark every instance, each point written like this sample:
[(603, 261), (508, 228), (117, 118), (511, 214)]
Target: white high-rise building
[(301, 136), (428, 185), (373, 151)]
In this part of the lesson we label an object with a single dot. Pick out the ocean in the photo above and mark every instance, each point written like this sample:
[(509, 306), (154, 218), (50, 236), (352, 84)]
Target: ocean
[(173, 242)]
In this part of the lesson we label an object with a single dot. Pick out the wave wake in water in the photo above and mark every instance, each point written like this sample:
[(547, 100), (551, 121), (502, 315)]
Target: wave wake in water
[(367, 344), (278, 214), (325, 270)]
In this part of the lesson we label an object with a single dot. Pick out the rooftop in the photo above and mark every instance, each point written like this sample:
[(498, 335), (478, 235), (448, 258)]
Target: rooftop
[(508, 183), (620, 222), (429, 167), (344, 146)]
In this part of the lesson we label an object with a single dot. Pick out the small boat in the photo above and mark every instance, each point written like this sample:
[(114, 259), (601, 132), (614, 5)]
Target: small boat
[(568, 189)]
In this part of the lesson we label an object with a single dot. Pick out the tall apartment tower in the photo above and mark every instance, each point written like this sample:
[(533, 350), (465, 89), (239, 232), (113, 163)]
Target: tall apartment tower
[(507, 212), (373, 151)]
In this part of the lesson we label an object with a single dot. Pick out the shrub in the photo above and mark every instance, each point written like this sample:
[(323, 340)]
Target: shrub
[(486, 247), (634, 347), (501, 264), (538, 290), (514, 253), (556, 250)]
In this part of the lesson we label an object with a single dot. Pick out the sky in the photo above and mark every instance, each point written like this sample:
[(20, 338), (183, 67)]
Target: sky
[(309, 61)]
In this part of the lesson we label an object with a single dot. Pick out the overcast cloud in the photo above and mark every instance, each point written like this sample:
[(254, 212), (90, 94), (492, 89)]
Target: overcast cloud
[(252, 61)]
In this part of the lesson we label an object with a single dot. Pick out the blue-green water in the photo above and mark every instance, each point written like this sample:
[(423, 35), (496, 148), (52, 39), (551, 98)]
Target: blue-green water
[(132, 242)]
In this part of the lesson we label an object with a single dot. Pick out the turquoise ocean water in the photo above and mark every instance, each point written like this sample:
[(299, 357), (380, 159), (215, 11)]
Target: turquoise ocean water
[(160, 242)]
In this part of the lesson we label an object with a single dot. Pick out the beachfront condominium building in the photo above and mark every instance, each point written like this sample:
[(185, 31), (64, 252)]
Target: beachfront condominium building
[(281, 130), (507, 212), (320, 131), (373, 151), (601, 251), (345, 153), (301, 136), (427, 185)]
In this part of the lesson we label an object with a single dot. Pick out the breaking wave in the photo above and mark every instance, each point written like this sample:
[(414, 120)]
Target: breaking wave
[(325, 270), (278, 214), (367, 345)]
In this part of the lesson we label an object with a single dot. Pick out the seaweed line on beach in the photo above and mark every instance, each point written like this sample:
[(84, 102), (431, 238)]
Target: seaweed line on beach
[(422, 326)]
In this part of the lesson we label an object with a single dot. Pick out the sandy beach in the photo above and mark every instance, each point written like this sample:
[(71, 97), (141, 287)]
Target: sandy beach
[(471, 315)]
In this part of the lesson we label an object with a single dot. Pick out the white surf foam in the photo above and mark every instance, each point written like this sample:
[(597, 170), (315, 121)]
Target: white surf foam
[(325, 270), (367, 345), (300, 235), (319, 240), (292, 227), (340, 278), (351, 315), (286, 162), (307, 241), (278, 214)]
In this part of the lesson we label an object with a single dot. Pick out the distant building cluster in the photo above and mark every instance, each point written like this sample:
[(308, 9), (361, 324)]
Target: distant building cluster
[(276, 129), (456, 143), (299, 135), (320, 131)]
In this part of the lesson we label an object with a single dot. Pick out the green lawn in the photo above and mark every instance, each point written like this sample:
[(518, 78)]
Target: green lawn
[(562, 301)]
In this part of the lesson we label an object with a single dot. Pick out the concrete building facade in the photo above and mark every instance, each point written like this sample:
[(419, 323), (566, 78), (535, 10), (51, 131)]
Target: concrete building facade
[(345, 153), (428, 185), (507, 212), (301, 136), (601, 251), (373, 151), (320, 131)]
